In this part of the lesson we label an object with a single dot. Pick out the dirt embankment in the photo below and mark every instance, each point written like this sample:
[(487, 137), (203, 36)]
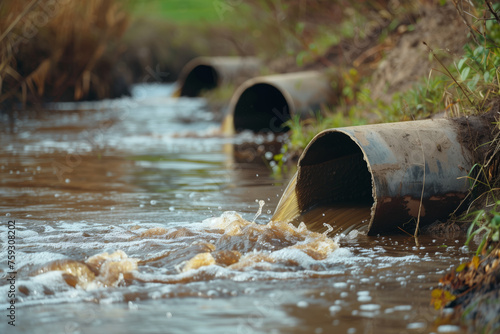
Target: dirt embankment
[(408, 61), (395, 63)]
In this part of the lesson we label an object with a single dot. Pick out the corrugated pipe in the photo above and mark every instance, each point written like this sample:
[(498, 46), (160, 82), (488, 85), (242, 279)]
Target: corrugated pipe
[(398, 172), (263, 104), (205, 73)]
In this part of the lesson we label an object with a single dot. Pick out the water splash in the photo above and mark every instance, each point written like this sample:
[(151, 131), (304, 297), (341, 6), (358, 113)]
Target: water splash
[(100, 270), (329, 228), (259, 212), (227, 246)]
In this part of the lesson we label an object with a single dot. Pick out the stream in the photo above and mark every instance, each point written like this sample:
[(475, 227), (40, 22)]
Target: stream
[(133, 215)]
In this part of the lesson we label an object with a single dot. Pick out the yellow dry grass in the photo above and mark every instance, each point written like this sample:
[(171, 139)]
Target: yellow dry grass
[(57, 49)]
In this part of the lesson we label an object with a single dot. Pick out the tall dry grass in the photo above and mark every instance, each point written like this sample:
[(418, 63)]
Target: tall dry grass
[(53, 50)]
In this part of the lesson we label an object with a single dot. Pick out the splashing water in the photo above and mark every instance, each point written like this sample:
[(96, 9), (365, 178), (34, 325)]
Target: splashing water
[(227, 246), (95, 254), (329, 229), (259, 212)]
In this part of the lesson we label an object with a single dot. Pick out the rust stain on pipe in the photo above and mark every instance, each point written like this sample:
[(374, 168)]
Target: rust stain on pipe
[(263, 104), (384, 165), (205, 73)]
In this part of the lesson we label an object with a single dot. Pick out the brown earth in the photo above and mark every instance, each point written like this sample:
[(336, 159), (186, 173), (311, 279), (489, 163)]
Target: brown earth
[(442, 29), (399, 60)]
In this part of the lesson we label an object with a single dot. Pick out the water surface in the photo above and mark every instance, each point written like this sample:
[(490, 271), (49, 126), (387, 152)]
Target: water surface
[(134, 216)]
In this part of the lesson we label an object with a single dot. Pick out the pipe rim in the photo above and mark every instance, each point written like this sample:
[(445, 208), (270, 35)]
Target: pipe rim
[(365, 159), (250, 84)]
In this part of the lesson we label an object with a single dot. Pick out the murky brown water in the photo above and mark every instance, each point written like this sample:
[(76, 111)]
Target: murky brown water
[(132, 216)]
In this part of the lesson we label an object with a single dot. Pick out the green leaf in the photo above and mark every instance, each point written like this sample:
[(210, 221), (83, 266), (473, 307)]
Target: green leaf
[(299, 28), (300, 58), (465, 73), (478, 50), (486, 76), (461, 267), (495, 221), (461, 63), (472, 84)]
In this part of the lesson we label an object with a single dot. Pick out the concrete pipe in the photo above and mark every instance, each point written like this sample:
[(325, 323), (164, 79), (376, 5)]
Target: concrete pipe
[(383, 176), (205, 73), (264, 103)]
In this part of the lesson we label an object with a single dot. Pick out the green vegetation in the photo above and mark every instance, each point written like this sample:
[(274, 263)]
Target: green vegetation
[(473, 83), (417, 103), (487, 223), (183, 11)]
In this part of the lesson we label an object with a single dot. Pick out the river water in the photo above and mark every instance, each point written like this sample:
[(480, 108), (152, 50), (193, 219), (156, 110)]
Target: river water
[(132, 216)]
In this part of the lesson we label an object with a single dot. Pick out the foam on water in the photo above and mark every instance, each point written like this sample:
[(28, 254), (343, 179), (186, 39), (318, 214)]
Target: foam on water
[(127, 230), (224, 247)]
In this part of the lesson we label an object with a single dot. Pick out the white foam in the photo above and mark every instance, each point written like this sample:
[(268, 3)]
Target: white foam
[(287, 254), (369, 307), (38, 258), (364, 299), (334, 309), (448, 329), (402, 308), (416, 325), (302, 304), (340, 285)]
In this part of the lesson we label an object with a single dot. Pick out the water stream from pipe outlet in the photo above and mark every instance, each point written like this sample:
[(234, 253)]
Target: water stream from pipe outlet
[(132, 216)]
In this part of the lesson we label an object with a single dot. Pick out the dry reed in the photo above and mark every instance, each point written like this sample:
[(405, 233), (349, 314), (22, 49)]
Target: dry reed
[(53, 50)]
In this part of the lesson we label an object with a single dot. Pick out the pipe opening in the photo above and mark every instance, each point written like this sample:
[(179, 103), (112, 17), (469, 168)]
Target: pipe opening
[(202, 77), (261, 108), (334, 184)]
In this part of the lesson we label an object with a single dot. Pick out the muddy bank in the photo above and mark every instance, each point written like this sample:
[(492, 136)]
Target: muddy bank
[(406, 57)]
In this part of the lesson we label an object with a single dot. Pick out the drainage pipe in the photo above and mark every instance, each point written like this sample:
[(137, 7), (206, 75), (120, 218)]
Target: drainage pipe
[(400, 171), (205, 73), (263, 104)]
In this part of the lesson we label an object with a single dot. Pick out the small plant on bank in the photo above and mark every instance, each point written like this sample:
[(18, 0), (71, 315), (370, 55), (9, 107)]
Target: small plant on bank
[(486, 223)]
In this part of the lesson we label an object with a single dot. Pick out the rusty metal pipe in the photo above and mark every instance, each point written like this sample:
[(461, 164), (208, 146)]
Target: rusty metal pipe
[(263, 104), (401, 171), (205, 73)]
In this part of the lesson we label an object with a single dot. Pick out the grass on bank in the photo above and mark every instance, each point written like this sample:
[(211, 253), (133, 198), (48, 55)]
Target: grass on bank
[(476, 83), (177, 10), (187, 11)]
